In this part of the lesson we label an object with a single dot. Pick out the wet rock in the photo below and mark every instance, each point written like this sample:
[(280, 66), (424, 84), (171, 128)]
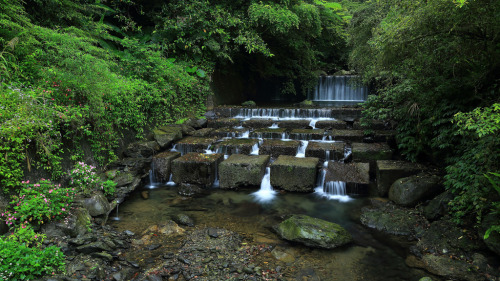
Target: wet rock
[(162, 164), (331, 124), (414, 189), (223, 123), (258, 123), (364, 152), (294, 124), (194, 144), (313, 232), (142, 149), (236, 146), (388, 171), (167, 228), (307, 134), (103, 255), (450, 268), (97, 204), (183, 219), (205, 132), (123, 178), (166, 135), (294, 174), (145, 194), (190, 190), (93, 247), (276, 148), (389, 218), (438, 206), (325, 151), (137, 165), (268, 133), (242, 170), (196, 168), (346, 135), (493, 241)]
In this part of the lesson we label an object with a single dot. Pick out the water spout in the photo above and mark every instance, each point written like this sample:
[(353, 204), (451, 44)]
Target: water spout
[(266, 192), (301, 150), (255, 149), (170, 181)]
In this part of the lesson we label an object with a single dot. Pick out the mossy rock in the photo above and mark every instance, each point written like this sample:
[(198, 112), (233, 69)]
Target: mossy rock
[(294, 174), (249, 103), (313, 232), (241, 170)]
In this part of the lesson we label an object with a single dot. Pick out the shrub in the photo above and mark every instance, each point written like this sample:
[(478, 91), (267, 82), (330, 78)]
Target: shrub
[(39, 203), (22, 256), (85, 179)]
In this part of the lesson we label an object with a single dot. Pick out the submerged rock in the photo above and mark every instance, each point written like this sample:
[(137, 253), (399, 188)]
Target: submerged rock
[(189, 190), (411, 190), (183, 219), (313, 232)]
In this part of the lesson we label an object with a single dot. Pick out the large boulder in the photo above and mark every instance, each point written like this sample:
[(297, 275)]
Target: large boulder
[(97, 204), (196, 168), (162, 164), (123, 178), (142, 149), (76, 224), (414, 189), (450, 268), (493, 241), (294, 174), (313, 232), (166, 135), (242, 170)]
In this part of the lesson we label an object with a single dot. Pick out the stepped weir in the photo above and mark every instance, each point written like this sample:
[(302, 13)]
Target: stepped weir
[(291, 149)]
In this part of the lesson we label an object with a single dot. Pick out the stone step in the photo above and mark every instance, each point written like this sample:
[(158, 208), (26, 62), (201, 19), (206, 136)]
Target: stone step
[(325, 150), (242, 171), (355, 175), (307, 134), (294, 174), (276, 148), (196, 168), (236, 146), (194, 144)]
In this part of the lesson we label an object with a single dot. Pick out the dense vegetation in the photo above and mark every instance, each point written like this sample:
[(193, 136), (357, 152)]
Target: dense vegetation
[(74, 71), (436, 64)]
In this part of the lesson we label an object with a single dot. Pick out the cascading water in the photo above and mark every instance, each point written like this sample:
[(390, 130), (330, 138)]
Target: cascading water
[(266, 192), (274, 126), (255, 149), (301, 150), (312, 124), (284, 113), (339, 88), (117, 217), (170, 181)]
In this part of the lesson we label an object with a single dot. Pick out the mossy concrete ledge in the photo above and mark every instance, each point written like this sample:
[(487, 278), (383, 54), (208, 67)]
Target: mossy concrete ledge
[(331, 124), (307, 134), (194, 144), (236, 146), (294, 124), (223, 122), (335, 150), (258, 123), (276, 148), (388, 171), (162, 164), (196, 168), (242, 170), (313, 232), (294, 174), (347, 135), (268, 133)]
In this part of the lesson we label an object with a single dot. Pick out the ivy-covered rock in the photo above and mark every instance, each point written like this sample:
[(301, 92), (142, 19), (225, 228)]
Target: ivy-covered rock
[(313, 232)]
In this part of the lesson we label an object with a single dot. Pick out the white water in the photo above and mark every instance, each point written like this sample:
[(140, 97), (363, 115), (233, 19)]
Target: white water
[(266, 192), (301, 150), (283, 113), (152, 183), (208, 150), (244, 135), (274, 126), (338, 88), (334, 190), (313, 123), (255, 149), (170, 181)]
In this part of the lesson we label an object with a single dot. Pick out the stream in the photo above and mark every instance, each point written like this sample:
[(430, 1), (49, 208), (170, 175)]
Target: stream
[(372, 256)]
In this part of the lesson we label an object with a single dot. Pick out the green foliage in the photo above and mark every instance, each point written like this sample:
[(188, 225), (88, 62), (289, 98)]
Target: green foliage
[(85, 180), (39, 203), (494, 179), (430, 60), (23, 257)]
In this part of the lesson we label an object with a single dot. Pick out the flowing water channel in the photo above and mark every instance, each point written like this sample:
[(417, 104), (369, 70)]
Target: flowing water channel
[(372, 256)]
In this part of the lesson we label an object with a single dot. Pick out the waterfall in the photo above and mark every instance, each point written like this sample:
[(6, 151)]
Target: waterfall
[(301, 150), (244, 135), (266, 192), (170, 181), (216, 180), (274, 126), (255, 149), (313, 123), (117, 217), (283, 113), (339, 88), (152, 183)]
